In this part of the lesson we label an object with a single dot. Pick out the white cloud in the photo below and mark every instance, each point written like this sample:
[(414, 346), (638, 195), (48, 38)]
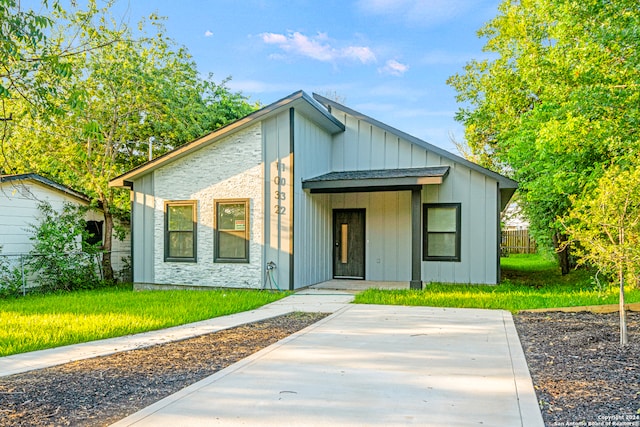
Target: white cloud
[(318, 47), (208, 33), (393, 68)]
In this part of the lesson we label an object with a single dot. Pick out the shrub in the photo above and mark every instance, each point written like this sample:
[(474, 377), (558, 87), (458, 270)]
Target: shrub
[(61, 256)]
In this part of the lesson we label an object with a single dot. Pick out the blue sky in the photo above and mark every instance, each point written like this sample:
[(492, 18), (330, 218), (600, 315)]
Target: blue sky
[(388, 59)]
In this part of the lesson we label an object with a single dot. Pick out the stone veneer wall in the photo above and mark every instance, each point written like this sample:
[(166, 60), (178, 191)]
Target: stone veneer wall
[(228, 169)]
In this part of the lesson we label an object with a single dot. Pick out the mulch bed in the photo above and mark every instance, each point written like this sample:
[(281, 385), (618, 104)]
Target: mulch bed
[(103, 390), (581, 375)]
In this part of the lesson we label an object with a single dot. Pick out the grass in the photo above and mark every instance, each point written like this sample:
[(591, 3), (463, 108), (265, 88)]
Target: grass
[(529, 282), (38, 322)]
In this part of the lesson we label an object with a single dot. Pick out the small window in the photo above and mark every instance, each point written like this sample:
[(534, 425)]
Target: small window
[(180, 231), (441, 232), (231, 230), (94, 232)]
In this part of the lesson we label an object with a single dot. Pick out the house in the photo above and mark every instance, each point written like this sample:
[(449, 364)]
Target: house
[(306, 190), (20, 196)]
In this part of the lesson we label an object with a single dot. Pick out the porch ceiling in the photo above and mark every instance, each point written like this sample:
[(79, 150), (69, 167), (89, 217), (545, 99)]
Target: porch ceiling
[(376, 180)]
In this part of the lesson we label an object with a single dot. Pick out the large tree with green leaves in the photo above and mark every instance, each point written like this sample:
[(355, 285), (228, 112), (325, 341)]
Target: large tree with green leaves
[(556, 103), (133, 89)]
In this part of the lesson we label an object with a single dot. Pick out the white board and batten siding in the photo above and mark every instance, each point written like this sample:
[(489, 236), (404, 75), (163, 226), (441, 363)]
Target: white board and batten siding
[(314, 216), (365, 146), (19, 202)]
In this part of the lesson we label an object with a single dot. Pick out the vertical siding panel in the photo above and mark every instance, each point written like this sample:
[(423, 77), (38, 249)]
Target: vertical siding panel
[(337, 147), (491, 236), (312, 226), (462, 183), (364, 146), (375, 221), (350, 147), (390, 151), (143, 224), (477, 232), (390, 203), (404, 154), (433, 159), (418, 156), (404, 232), (377, 148)]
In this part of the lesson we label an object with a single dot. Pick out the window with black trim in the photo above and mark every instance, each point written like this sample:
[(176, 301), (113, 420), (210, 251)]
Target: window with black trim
[(180, 231), (441, 240), (231, 225)]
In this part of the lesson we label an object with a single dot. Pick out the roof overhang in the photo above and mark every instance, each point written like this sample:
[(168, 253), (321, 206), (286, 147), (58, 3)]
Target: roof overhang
[(376, 180)]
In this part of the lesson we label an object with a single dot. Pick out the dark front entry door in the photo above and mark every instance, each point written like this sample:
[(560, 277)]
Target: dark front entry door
[(348, 243)]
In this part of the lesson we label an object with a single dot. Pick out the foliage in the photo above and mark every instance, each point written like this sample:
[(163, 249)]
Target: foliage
[(607, 226), (60, 256), (25, 50), (10, 278), (44, 321), (35, 67), (557, 101), (132, 88)]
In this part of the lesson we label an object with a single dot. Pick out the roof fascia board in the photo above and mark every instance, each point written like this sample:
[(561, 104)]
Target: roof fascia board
[(372, 182), (307, 105), (503, 180)]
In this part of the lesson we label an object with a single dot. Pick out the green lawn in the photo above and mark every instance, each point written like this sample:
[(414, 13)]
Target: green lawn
[(44, 321), (529, 282)]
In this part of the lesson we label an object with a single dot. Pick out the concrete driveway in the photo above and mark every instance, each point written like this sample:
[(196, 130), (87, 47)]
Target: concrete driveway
[(370, 365)]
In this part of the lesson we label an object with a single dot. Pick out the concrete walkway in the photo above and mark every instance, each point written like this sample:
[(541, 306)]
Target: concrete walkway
[(363, 365)]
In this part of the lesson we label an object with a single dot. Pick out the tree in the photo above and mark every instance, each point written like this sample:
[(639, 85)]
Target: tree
[(132, 90), (557, 102), (34, 66), (606, 225)]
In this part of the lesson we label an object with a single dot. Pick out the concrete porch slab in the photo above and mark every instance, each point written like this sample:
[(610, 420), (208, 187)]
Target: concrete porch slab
[(355, 286)]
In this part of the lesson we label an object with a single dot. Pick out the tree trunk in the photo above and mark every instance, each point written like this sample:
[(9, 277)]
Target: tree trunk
[(623, 313), (562, 249), (107, 268)]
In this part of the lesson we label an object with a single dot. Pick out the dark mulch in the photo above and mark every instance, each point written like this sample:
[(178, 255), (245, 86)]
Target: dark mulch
[(581, 374), (100, 391)]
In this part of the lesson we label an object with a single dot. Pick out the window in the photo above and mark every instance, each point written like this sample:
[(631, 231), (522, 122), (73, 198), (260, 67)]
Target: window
[(180, 231), (231, 230), (94, 232), (441, 232)]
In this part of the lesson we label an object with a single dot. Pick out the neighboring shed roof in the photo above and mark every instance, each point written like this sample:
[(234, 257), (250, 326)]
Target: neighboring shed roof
[(46, 182), (302, 102), (376, 180)]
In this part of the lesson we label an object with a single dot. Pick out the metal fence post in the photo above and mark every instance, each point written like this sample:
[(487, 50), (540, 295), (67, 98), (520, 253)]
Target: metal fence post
[(24, 279)]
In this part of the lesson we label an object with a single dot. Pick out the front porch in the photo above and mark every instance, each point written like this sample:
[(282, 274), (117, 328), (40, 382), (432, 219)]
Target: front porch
[(356, 286)]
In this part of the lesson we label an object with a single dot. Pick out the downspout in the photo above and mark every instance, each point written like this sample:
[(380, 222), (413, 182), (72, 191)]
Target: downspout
[(131, 239), (292, 199)]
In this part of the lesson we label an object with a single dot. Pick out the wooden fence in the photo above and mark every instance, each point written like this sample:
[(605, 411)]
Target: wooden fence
[(517, 242)]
